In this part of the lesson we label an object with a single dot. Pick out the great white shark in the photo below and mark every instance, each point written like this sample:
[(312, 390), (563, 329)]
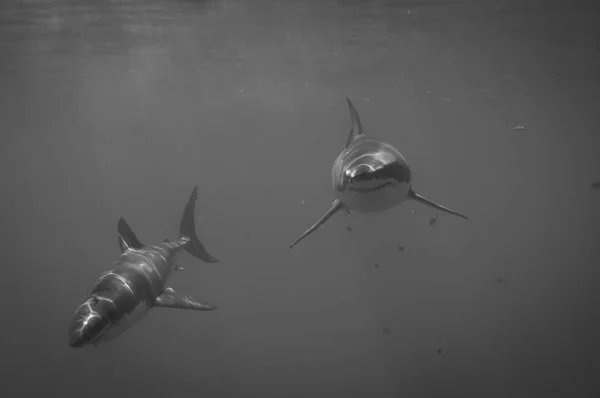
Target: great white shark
[(369, 176), (136, 283)]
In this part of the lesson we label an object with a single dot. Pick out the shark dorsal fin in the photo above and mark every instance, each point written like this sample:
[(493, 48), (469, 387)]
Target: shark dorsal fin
[(123, 245), (356, 131), (127, 236)]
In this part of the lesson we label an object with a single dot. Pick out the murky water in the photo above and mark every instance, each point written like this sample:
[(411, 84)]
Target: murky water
[(118, 108)]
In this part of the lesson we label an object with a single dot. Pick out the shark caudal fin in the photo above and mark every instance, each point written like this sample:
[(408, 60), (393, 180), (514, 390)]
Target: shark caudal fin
[(187, 230)]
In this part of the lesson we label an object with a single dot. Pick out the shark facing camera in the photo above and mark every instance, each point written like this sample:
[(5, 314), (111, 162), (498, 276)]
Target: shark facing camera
[(373, 179), (369, 176)]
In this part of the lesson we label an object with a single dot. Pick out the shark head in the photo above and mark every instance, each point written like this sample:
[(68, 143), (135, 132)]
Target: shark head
[(91, 321), (371, 176), (374, 173)]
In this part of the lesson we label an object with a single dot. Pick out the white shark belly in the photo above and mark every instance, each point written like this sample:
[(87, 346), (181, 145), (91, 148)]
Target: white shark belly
[(372, 201)]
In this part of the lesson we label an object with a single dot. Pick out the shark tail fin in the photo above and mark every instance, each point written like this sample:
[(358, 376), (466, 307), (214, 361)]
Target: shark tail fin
[(187, 230)]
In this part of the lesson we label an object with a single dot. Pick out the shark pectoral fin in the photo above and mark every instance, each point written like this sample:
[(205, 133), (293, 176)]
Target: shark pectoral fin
[(170, 300), (337, 205), (415, 196), (356, 130)]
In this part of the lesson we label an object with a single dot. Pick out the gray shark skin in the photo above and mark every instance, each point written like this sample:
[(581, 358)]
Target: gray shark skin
[(369, 176), (136, 283)]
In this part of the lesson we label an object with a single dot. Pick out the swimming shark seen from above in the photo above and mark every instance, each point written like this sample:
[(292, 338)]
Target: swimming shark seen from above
[(136, 283), (369, 176)]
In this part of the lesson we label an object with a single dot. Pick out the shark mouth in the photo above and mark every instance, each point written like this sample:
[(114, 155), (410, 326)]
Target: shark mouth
[(371, 189)]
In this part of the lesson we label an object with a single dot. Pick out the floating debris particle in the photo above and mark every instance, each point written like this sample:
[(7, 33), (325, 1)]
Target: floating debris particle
[(304, 202), (500, 280), (414, 211), (386, 330), (433, 220), (349, 228), (518, 128), (595, 185), (400, 248), (439, 351), (376, 265)]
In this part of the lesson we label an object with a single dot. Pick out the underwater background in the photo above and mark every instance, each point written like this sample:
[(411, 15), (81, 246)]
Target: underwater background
[(120, 108)]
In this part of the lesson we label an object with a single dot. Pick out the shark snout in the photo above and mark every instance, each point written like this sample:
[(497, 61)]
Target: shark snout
[(76, 340), (89, 322), (359, 172)]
